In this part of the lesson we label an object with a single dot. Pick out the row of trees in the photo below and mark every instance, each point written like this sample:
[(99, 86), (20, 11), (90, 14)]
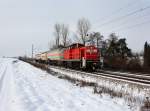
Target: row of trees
[(61, 33), (117, 47), (114, 49), (111, 48), (116, 52), (119, 56)]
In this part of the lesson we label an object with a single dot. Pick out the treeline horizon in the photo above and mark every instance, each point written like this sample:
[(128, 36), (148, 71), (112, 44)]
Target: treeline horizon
[(114, 50)]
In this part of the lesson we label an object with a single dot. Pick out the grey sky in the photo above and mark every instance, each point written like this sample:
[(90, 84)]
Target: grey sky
[(26, 22)]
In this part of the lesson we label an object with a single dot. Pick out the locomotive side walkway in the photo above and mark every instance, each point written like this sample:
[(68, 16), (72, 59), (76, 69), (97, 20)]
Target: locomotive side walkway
[(26, 88)]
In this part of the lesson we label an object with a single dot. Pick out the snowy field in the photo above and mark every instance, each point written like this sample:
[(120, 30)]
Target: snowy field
[(26, 88)]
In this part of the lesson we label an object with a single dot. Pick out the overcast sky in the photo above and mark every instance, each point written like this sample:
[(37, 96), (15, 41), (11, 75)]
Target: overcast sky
[(27, 22)]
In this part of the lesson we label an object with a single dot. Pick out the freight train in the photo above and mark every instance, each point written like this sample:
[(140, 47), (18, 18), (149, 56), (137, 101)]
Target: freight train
[(74, 56)]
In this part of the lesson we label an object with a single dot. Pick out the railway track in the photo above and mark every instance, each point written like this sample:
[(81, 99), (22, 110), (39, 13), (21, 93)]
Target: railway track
[(127, 77), (129, 73), (134, 78), (138, 79)]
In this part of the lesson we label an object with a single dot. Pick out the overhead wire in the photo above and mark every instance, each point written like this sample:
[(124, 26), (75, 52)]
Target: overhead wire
[(133, 26), (124, 16), (125, 22), (119, 10)]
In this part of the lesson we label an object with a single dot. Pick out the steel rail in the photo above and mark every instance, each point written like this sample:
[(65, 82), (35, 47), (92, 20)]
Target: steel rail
[(129, 79)]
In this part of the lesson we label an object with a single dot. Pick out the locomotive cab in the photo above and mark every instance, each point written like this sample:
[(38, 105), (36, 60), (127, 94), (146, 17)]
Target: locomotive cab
[(90, 57)]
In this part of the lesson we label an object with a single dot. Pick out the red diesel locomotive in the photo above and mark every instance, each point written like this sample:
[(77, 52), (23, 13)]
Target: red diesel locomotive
[(74, 56), (78, 55)]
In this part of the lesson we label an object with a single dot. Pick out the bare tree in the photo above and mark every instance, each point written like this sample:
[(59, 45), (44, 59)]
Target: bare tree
[(64, 34), (83, 28), (51, 45), (98, 38), (113, 37), (95, 38), (57, 33), (75, 38), (68, 42)]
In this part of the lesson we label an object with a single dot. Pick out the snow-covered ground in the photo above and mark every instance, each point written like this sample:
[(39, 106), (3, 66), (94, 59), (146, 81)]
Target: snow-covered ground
[(26, 88)]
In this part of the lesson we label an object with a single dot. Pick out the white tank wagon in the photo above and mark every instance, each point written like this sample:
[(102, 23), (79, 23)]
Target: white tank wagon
[(56, 56), (43, 56), (37, 56)]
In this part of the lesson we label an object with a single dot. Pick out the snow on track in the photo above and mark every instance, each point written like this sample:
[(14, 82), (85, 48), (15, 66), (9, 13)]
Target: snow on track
[(26, 88)]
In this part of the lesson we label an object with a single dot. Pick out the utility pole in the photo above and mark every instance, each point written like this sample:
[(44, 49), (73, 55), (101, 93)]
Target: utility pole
[(32, 50)]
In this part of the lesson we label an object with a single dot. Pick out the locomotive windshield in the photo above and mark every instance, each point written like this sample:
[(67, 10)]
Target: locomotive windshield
[(91, 50)]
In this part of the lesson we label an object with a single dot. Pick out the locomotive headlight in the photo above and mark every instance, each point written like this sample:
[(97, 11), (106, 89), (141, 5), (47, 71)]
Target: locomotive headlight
[(88, 50), (95, 50)]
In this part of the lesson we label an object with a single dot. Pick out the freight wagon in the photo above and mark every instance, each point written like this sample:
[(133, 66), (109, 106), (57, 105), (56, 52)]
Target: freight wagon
[(56, 56), (42, 57)]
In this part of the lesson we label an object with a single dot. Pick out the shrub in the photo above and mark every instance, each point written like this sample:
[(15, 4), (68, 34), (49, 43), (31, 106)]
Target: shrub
[(134, 64)]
